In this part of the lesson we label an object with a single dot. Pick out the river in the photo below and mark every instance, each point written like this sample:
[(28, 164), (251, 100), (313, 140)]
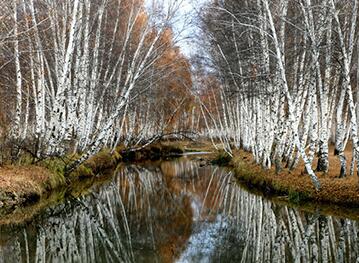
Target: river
[(178, 211)]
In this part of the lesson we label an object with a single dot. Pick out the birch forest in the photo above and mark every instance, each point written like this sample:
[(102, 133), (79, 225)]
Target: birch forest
[(276, 78), (284, 80), (78, 76)]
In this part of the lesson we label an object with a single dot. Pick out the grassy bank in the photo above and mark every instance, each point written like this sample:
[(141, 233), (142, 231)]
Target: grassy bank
[(25, 183), (296, 186), (31, 185)]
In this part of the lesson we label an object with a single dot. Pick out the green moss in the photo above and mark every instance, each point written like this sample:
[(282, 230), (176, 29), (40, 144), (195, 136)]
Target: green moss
[(55, 165), (56, 181), (103, 160), (26, 159)]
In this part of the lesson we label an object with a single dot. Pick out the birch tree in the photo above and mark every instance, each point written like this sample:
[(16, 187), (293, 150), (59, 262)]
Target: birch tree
[(75, 71)]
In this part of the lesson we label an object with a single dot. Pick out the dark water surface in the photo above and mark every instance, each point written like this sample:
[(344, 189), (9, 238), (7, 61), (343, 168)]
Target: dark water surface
[(177, 211)]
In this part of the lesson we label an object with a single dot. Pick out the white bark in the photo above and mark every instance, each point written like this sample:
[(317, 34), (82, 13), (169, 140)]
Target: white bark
[(284, 86)]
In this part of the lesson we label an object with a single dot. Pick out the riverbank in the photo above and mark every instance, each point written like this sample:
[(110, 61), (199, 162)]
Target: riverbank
[(296, 186), (25, 184), (293, 186)]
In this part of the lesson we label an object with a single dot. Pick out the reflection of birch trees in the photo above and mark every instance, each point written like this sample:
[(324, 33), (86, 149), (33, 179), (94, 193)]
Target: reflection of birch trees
[(185, 213), (91, 229), (257, 230), (251, 228)]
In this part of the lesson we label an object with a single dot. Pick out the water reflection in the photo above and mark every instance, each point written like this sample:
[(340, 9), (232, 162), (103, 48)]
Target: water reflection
[(178, 212)]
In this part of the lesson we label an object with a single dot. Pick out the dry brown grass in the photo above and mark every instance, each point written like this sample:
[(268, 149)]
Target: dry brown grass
[(333, 189), (24, 213), (21, 179), (22, 184)]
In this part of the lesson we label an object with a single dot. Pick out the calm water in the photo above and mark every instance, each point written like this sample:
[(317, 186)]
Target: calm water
[(178, 212)]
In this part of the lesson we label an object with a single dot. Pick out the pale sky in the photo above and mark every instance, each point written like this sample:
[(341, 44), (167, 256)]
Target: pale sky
[(187, 25), (184, 26)]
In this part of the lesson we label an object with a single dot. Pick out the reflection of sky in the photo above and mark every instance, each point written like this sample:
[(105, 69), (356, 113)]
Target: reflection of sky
[(184, 23)]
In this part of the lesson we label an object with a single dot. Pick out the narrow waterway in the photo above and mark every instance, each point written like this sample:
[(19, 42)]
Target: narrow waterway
[(177, 211)]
